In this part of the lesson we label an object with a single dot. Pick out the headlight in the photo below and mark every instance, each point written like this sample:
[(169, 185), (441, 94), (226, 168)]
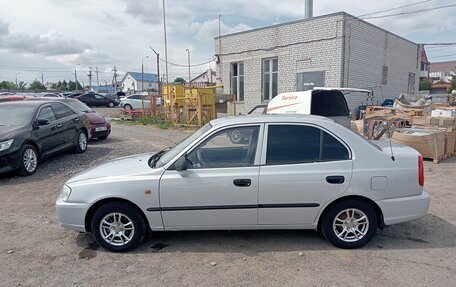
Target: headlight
[(65, 192), (6, 145)]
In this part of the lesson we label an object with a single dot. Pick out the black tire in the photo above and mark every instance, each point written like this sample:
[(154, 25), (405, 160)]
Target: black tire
[(81, 147), (129, 214), (23, 169), (111, 104), (359, 208), (128, 107)]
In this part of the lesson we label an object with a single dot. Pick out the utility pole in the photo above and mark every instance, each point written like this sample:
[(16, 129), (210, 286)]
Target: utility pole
[(114, 78), (90, 77), (16, 78), (76, 77), (220, 47), (96, 71), (42, 77), (158, 70), (142, 72), (166, 44), (188, 58)]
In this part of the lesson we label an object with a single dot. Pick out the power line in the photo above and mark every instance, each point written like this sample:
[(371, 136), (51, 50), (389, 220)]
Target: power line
[(179, 65), (410, 12), (391, 9)]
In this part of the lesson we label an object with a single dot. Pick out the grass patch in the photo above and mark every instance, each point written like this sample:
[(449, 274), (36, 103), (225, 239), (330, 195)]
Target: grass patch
[(154, 121)]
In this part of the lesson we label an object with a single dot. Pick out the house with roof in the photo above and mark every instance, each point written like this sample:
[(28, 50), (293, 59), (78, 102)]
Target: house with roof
[(425, 65), (207, 77), (138, 82), (442, 71), (334, 50)]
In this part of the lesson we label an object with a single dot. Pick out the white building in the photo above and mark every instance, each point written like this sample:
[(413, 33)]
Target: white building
[(336, 50), (137, 82), (208, 77)]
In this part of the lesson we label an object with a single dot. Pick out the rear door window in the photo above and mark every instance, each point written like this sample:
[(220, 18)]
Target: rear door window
[(61, 110), (293, 144)]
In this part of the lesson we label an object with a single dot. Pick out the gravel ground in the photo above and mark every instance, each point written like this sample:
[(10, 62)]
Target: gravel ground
[(36, 251)]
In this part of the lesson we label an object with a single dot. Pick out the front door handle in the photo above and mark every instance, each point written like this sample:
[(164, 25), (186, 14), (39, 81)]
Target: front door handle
[(242, 182), (335, 179), (59, 126)]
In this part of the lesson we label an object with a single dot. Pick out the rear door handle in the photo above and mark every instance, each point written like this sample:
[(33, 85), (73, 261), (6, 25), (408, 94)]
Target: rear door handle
[(242, 182), (58, 126), (335, 179)]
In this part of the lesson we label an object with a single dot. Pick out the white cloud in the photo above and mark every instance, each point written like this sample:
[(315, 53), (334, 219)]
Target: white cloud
[(209, 29)]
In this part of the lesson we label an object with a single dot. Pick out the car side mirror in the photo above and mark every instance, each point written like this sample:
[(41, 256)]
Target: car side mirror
[(43, 122), (181, 163)]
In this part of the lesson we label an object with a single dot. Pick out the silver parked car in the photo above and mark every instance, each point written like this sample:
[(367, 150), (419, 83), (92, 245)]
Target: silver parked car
[(280, 172), (135, 102)]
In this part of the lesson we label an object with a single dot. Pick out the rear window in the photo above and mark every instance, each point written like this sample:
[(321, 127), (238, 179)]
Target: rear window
[(329, 104)]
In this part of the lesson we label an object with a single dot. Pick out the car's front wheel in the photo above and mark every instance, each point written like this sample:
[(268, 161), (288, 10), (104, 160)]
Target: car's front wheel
[(117, 226), (128, 107), (111, 104), (28, 160), (81, 142), (350, 224)]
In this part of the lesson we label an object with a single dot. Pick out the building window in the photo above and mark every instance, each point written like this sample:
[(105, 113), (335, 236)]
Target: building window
[(270, 74), (309, 80), (411, 84), (384, 75), (237, 80)]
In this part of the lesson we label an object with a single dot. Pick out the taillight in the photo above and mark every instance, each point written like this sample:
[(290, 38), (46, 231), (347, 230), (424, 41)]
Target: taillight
[(420, 171)]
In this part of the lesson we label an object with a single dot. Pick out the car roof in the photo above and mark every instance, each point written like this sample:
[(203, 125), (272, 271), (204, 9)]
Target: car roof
[(24, 103), (271, 118)]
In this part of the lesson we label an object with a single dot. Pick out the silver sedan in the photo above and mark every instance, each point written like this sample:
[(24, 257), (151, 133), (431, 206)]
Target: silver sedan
[(251, 172)]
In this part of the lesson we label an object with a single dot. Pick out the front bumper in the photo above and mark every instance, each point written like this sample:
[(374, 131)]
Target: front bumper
[(9, 162), (71, 215), (404, 209)]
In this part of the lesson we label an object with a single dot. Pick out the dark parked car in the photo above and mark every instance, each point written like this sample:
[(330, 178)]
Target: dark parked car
[(97, 100), (33, 130), (99, 127)]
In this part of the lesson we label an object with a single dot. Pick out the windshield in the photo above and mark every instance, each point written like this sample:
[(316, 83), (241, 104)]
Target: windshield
[(15, 115), (79, 106), (183, 144)]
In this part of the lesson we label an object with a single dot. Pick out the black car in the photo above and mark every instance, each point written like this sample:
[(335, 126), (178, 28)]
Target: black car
[(33, 130), (92, 99)]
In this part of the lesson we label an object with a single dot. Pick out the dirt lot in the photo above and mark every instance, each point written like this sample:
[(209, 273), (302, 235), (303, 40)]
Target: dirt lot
[(36, 251)]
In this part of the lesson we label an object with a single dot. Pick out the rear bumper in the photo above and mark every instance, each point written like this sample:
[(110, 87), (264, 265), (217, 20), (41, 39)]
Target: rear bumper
[(404, 209), (100, 133)]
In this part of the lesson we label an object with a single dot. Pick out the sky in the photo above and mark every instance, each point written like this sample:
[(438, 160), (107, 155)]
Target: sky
[(55, 37)]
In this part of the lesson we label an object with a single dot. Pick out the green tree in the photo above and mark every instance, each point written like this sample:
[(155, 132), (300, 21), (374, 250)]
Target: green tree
[(72, 86), (179, 80), (453, 81), (8, 85), (425, 85), (64, 85), (37, 85)]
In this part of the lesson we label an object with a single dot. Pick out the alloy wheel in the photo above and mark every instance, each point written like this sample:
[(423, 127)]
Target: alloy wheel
[(30, 160), (350, 225), (117, 229)]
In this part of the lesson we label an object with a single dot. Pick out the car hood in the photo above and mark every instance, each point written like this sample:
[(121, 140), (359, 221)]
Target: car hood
[(9, 132), (95, 118), (120, 167)]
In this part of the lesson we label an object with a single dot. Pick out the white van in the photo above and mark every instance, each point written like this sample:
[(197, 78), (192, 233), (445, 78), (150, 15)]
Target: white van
[(326, 102)]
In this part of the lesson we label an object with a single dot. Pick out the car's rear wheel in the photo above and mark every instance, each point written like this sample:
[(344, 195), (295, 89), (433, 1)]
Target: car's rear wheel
[(128, 107), (28, 160), (117, 226), (350, 224), (111, 104), (81, 142)]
